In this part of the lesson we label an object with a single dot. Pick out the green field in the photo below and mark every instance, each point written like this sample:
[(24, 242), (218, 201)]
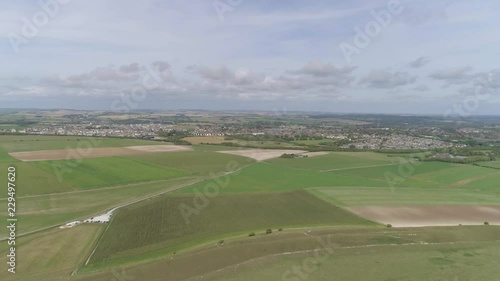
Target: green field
[(32, 142), (491, 164), (109, 171), (202, 161), (56, 251), (263, 177), (354, 253), (376, 196), (35, 180), (37, 212), (158, 227), (409, 263), (306, 193), (336, 160)]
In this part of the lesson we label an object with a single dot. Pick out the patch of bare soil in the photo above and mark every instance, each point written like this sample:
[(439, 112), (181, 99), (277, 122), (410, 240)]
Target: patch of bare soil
[(415, 216), (62, 154)]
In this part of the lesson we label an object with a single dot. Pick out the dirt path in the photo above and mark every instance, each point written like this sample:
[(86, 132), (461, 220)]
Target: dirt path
[(360, 167)]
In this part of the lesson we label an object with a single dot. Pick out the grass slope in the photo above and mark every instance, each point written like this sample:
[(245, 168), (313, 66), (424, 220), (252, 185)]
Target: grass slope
[(359, 253), (157, 227), (32, 180), (373, 196), (108, 171), (335, 160), (264, 177), (55, 209), (60, 250), (19, 143), (201, 161)]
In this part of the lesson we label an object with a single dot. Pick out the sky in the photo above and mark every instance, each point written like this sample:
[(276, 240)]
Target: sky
[(356, 56)]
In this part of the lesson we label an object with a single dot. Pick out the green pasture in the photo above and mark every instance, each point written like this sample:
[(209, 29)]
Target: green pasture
[(17, 143), (444, 262), (107, 171), (56, 250), (491, 164), (158, 226), (376, 196), (32, 180), (335, 160), (354, 253), (263, 177), (37, 212), (202, 161)]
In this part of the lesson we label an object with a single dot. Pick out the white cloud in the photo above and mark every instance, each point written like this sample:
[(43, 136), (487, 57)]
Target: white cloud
[(385, 79)]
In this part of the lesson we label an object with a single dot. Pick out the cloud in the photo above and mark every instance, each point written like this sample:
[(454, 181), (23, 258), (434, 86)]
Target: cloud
[(108, 73), (421, 88), (419, 62), (220, 73), (456, 75), (313, 81), (130, 68), (161, 66), (490, 79), (320, 69), (384, 79)]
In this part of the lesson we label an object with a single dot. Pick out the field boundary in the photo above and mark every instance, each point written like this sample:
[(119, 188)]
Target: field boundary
[(360, 167), (162, 193)]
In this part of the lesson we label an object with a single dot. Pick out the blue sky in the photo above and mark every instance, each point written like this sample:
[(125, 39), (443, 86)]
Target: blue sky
[(416, 57)]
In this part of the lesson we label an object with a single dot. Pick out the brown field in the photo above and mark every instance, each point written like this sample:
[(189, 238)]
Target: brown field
[(43, 155), (262, 154), (198, 140), (416, 216)]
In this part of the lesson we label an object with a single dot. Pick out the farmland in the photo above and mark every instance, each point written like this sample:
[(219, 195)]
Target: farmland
[(306, 197), (406, 261), (437, 253), (33, 143), (101, 172), (159, 224), (491, 164), (55, 252)]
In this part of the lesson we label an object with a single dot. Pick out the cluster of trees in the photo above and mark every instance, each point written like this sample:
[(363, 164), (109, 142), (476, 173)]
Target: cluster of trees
[(175, 136), (292, 155)]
